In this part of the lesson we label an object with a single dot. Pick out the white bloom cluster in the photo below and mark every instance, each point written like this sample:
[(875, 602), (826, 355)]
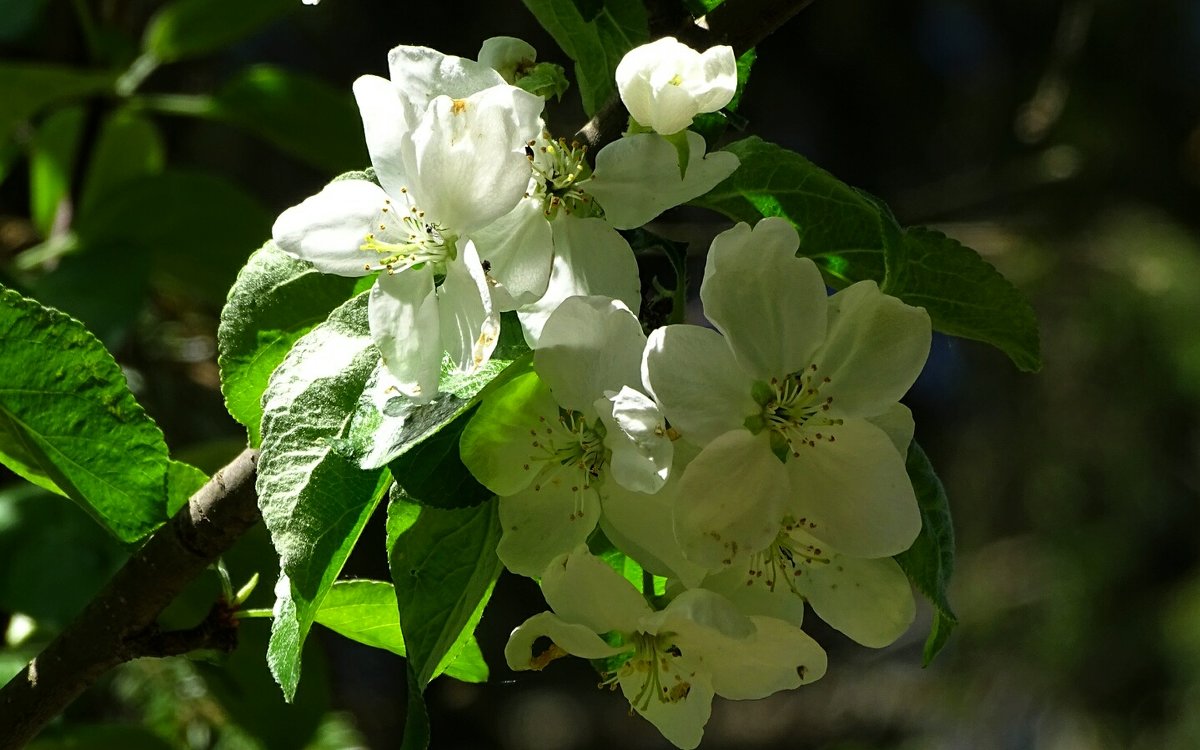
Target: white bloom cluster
[(754, 467)]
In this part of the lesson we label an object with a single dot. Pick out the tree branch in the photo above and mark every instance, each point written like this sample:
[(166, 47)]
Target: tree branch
[(741, 24), (119, 624)]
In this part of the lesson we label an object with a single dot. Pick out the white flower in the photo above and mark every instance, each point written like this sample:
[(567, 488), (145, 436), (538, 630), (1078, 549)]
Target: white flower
[(666, 83), (563, 443), (507, 55), (669, 664), (783, 404), (447, 139)]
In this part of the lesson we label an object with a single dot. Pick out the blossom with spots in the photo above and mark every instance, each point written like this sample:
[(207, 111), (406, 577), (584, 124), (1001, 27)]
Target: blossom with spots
[(668, 663), (665, 84), (794, 402), (447, 141), (572, 439)]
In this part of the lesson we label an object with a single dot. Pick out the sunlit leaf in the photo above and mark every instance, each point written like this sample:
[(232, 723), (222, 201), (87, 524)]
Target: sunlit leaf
[(51, 165)]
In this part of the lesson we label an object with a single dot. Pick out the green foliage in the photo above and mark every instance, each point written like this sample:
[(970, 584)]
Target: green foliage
[(128, 146), (544, 79), (68, 422), (444, 565), (302, 116), (275, 300), (929, 563), (51, 162), (432, 472), (314, 501), (366, 611), (101, 737), (27, 89), (852, 236), (189, 28), (596, 44), (183, 481)]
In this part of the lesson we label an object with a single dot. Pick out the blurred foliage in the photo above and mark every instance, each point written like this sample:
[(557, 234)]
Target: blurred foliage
[(145, 147)]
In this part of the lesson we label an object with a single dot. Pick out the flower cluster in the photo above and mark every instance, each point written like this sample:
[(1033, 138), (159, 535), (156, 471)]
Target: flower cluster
[(742, 471)]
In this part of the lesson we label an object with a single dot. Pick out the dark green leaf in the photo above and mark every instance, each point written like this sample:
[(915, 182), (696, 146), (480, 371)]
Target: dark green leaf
[(183, 481), (853, 237), (201, 227), (187, 28), (432, 472), (444, 566), (416, 721), (27, 89), (314, 501), (68, 422), (597, 44), (964, 294), (929, 563), (302, 116), (128, 146), (18, 18), (366, 611), (51, 163), (100, 737), (275, 300)]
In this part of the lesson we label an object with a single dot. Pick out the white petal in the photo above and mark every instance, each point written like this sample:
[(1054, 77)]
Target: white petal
[(779, 656), (520, 250), (692, 374), (875, 349), (897, 422), (640, 525), (468, 156), (754, 595), (731, 500), (549, 518), (769, 304), (469, 325), (575, 639), (856, 492), (869, 600), (498, 444), (664, 84), (705, 619), (583, 589), (507, 55), (637, 177), (589, 345), (637, 437), (420, 74), (590, 258), (328, 228), (386, 125), (680, 721), (403, 315)]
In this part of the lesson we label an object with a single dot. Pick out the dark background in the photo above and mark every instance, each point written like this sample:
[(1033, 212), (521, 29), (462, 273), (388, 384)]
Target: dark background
[(1059, 139)]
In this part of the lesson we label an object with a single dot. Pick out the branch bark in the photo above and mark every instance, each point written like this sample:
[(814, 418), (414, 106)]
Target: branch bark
[(119, 624), (741, 24)]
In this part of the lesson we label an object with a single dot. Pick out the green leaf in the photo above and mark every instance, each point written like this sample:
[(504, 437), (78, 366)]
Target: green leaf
[(929, 563), (183, 481), (416, 720), (68, 422), (852, 236), (275, 300), (432, 472), (18, 18), (51, 165), (187, 28), (314, 501), (200, 227), (27, 89), (302, 116), (366, 611), (597, 44), (545, 80), (100, 737), (128, 146), (444, 566), (964, 294)]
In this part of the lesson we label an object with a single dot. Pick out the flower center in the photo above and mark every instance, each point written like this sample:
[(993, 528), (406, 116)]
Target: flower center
[(571, 445), (558, 169), (651, 662), (403, 239), (785, 558), (794, 412)]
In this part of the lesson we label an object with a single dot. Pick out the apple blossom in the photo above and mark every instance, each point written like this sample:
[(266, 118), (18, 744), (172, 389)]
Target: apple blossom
[(668, 663), (562, 443), (665, 84), (446, 138), (782, 401)]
